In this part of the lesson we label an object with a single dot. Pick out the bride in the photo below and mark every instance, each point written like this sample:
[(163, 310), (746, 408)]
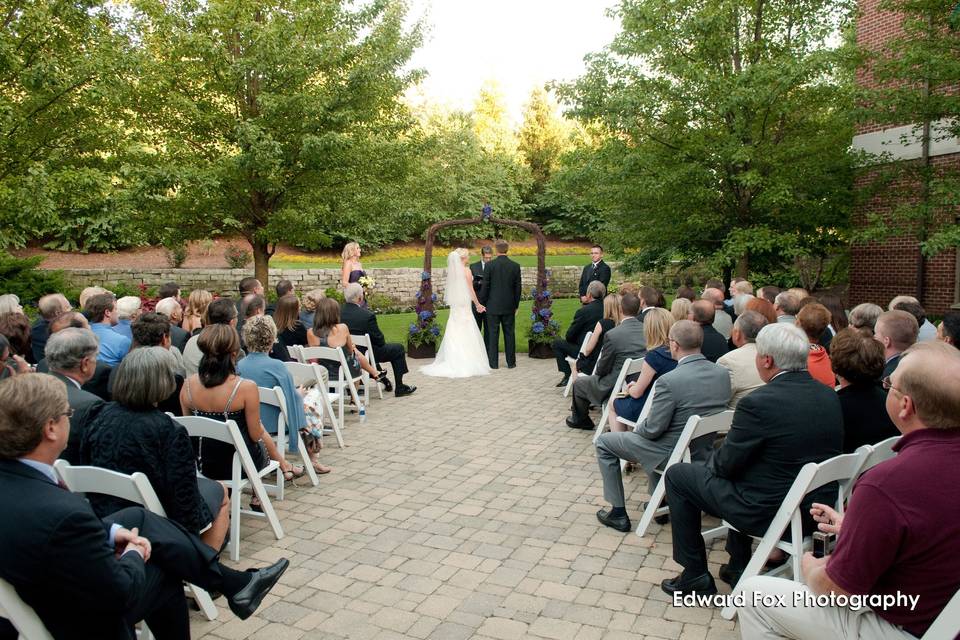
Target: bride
[(462, 351)]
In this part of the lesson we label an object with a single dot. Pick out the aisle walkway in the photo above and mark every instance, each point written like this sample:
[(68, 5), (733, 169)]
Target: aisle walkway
[(465, 510)]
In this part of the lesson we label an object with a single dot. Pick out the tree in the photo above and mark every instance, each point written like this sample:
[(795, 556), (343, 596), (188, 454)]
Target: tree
[(543, 136), (64, 65), (279, 120), (726, 125), (491, 122)]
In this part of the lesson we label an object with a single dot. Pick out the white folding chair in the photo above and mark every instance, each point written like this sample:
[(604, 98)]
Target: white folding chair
[(873, 454), (365, 342), (812, 476), (343, 384), (200, 427), (309, 375), (573, 365), (275, 398), (630, 366), (134, 488), (644, 411), (696, 427), (21, 615), (947, 624)]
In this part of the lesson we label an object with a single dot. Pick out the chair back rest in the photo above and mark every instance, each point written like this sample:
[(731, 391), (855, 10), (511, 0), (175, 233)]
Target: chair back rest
[(715, 423), (306, 375), (586, 339), (20, 614), (599, 355), (630, 366), (296, 352), (201, 427), (879, 452), (647, 405), (947, 624), (134, 488), (274, 397), (361, 340)]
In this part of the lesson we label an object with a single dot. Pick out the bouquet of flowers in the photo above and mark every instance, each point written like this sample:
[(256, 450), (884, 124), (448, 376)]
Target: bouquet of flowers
[(543, 328), (367, 283)]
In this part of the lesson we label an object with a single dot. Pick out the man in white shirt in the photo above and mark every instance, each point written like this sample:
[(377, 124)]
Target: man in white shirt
[(741, 362)]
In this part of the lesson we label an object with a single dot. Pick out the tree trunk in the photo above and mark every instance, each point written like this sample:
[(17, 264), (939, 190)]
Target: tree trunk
[(743, 265), (261, 262)]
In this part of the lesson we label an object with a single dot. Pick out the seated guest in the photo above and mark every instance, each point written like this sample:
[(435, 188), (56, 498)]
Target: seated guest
[(703, 313), (722, 321), (864, 316), (128, 309), (896, 331), (623, 341), (196, 311), (309, 306), (99, 384), (284, 287), (217, 392), (10, 303), (71, 355), (153, 330), (858, 362), (695, 387), (246, 286), (740, 305), (778, 428), (260, 334), (220, 311), (88, 577), (252, 307), (101, 310), (768, 293), (927, 330), (584, 320), (949, 329), (786, 305), (359, 320), (133, 433), (800, 292), (171, 308), (50, 306), (838, 318), (11, 365), (741, 362), (658, 361), (686, 293), (88, 293), (763, 307), (814, 318), (16, 328), (290, 331), (587, 358), (680, 308), (169, 290), (894, 538)]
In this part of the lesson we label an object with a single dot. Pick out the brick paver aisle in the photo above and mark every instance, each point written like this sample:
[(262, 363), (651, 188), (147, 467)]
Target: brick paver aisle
[(465, 510)]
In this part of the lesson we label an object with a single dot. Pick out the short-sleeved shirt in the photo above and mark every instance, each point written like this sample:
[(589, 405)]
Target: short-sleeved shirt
[(113, 346), (901, 532)]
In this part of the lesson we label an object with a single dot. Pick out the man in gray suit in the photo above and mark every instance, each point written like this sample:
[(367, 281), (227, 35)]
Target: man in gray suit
[(72, 357), (622, 342), (696, 387)]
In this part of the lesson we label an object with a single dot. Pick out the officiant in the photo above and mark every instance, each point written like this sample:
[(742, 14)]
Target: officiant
[(596, 270), (477, 269)]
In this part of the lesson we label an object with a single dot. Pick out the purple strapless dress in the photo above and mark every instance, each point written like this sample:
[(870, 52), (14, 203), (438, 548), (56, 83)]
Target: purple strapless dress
[(355, 276)]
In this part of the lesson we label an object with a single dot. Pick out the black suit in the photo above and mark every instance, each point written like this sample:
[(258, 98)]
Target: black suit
[(178, 337), (500, 294), (590, 273), (891, 365), (778, 428), (58, 556), (39, 333), (86, 407), (584, 320), (360, 321), (477, 270), (98, 385), (714, 344), (865, 417)]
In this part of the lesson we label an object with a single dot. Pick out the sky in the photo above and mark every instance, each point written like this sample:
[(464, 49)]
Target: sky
[(518, 43)]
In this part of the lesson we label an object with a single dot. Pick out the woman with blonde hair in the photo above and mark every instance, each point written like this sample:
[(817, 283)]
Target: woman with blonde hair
[(680, 309), (658, 361), (611, 318), (197, 304)]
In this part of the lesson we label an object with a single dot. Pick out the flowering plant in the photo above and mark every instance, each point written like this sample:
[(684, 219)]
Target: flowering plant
[(425, 330), (543, 328)]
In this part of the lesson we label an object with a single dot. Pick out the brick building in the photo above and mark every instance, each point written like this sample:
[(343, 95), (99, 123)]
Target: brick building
[(881, 270)]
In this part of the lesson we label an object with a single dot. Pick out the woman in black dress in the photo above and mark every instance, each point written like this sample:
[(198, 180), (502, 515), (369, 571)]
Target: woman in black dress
[(290, 330)]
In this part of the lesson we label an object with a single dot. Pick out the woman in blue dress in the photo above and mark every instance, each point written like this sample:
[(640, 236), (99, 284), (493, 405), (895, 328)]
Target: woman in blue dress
[(658, 361), (352, 269)]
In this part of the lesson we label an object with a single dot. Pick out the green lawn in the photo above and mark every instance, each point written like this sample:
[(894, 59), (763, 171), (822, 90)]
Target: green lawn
[(439, 262), (395, 326)]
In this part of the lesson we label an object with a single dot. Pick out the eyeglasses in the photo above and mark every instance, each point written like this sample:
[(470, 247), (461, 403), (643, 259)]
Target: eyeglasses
[(68, 413), (887, 383)]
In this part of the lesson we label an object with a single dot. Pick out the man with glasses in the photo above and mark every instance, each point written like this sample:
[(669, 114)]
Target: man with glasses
[(72, 358)]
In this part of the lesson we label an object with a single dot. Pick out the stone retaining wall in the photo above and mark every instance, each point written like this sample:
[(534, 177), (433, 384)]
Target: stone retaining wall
[(400, 285)]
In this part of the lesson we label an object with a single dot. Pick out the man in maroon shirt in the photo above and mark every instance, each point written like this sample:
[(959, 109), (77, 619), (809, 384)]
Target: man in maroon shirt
[(898, 544)]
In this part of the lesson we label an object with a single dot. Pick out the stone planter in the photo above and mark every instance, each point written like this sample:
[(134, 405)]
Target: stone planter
[(540, 351), (424, 351)]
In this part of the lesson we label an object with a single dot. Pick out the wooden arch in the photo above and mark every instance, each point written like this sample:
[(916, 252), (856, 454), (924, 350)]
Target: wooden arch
[(425, 301)]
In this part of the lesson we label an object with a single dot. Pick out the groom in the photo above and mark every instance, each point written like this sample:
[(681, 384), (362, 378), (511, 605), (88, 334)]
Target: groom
[(500, 294)]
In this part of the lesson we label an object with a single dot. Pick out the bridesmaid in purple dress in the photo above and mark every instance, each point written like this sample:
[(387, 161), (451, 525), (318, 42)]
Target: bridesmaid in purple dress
[(352, 269)]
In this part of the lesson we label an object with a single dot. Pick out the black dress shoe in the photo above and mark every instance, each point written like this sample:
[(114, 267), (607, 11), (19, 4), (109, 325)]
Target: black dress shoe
[(403, 390), (701, 585), (511, 366), (620, 523), (385, 381), (586, 423), (728, 575), (246, 601), (564, 382)]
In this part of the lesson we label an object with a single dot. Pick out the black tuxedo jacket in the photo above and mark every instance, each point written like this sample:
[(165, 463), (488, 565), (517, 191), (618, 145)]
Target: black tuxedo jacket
[(360, 321), (500, 291), (86, 407), (777, 428), (590, 273), (56, 553), (585, 319), (178, 337), (477, 270)]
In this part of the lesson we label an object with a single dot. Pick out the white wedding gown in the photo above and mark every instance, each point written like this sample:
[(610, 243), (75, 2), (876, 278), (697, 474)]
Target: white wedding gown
[(462, 352)]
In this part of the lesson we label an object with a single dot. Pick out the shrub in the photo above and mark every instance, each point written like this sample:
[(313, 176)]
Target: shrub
[(22, 277), (237, 257), (177, 255), (335, 294)]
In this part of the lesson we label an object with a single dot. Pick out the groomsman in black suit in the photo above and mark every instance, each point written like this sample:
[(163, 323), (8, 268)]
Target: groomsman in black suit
[(500, 294), (88, 577), (477, 269), (596, 270)]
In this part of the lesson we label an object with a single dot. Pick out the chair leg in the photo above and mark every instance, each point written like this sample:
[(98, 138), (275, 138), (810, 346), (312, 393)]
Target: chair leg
[(653, 507), (203, 600), (307, 462), (567, 389), (236, 493), (258, 490)]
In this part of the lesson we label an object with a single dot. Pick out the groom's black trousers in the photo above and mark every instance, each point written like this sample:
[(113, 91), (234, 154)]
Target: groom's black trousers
[(494, 322)]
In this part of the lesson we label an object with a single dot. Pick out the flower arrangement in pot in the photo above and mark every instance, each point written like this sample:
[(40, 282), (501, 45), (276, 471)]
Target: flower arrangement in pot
[(543, 328), (424, 333)]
